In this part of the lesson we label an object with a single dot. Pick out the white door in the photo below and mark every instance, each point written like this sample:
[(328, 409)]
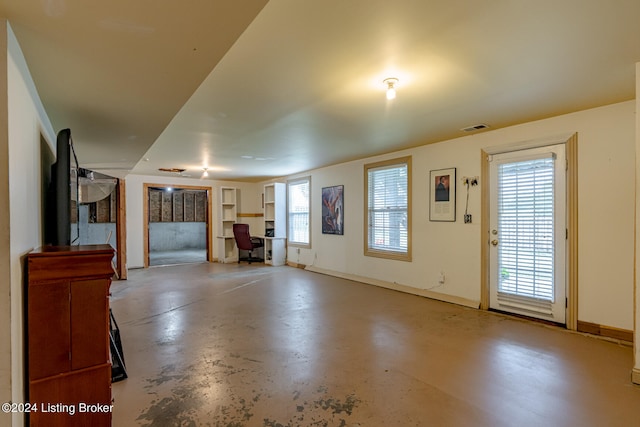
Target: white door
[(527, 234)]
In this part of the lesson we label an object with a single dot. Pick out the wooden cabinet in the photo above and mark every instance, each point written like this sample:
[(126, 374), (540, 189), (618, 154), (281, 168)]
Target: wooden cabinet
[(275, 223), (227, 216), (68, 359)]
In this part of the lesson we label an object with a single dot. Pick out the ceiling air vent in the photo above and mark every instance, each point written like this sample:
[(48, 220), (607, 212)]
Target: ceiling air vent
[(474, 128)]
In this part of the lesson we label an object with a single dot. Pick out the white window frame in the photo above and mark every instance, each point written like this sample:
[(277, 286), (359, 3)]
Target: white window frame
[(290, 240), (377, 250)]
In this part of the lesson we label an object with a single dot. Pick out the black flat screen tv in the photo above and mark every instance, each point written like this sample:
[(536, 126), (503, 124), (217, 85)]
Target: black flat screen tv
[(58, 212)]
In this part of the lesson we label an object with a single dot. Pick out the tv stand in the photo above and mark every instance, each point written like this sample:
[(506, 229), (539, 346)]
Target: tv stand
[(67, 335)]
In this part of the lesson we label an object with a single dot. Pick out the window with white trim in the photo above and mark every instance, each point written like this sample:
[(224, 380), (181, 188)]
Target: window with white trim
[(388, 209), (299, 201)]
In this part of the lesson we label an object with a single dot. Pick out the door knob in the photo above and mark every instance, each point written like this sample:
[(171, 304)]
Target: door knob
[(494, 242)]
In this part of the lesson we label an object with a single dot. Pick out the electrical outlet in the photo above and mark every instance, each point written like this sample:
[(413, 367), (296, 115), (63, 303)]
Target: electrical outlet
[(467, 218), (470, 180)]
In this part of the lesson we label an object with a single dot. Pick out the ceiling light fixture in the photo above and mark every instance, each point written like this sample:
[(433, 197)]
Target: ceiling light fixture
[(391, 90), (205, 174)]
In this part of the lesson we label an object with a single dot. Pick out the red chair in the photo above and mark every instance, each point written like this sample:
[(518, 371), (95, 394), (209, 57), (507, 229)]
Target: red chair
[(246, 242)]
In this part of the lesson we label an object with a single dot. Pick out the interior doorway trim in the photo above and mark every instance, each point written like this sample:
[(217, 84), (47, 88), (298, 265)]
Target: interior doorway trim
[(121, 230), (145, 214), (571, 146)]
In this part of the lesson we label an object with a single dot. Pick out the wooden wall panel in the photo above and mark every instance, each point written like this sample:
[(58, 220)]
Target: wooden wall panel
[(201, 207), (155, 203)]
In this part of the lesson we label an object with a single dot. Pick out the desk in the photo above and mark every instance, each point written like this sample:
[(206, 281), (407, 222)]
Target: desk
[(275, 250)]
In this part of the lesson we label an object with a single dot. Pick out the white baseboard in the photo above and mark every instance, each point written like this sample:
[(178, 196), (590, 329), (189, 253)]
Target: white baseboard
[(635, 376), (398, 287)]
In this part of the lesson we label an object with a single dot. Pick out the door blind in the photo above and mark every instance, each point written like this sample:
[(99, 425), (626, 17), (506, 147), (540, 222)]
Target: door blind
[(526, 224)]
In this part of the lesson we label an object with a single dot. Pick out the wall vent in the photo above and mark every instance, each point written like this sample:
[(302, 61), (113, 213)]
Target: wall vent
[(474, 128)]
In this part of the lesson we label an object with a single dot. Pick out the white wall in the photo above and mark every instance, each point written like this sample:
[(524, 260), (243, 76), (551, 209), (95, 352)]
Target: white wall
[(249, 203), (606, 152), (26, 123), (5, 240)]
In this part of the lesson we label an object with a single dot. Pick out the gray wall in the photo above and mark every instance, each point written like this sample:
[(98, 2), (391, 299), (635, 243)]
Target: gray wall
[(171, 236), (93, 234)]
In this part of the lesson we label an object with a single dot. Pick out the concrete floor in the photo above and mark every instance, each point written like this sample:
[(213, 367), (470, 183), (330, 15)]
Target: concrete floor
[(184, 256), (233, 345)]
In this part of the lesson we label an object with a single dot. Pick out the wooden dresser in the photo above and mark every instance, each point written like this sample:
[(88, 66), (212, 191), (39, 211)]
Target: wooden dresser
[(68, 359)]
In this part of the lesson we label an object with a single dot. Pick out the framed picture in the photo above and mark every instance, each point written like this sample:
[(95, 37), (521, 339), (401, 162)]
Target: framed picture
[(442, 199), (333, 210)]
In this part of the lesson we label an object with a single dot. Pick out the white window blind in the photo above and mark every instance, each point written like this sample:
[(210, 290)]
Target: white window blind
[(299, 212), (526, 224), (387, 208)]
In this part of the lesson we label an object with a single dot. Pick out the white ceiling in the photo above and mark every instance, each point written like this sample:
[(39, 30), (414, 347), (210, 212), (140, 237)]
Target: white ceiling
[(255, 92)]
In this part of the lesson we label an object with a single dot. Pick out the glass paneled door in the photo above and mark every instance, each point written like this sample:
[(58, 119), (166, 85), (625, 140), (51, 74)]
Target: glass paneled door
[(527, 234)]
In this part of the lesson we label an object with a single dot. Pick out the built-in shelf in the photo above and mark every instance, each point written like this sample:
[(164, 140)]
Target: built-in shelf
[(275, 223), (227, 216)]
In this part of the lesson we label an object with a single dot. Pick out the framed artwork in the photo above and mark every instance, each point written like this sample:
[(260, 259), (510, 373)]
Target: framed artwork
[(333, 210), (442, 200)]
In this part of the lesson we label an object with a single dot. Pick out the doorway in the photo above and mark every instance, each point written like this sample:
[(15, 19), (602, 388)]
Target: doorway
[(530, 228), (177, 224), (528, 237)]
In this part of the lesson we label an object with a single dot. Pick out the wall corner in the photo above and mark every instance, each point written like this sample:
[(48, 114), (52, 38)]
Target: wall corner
[(636, 340)]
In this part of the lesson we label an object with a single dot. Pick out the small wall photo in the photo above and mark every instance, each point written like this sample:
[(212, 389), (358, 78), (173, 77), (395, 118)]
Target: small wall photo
[(442, 200)]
